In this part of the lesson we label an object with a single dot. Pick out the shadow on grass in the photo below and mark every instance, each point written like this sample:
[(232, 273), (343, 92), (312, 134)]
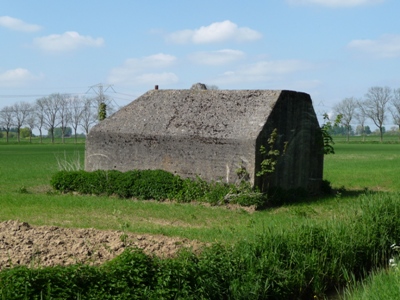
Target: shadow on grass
[(277, 197)]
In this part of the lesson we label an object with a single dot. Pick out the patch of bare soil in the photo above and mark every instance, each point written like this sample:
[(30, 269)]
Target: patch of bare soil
[(23, 244)]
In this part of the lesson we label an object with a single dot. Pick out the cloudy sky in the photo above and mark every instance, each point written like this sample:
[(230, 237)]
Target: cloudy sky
[(331, 49)]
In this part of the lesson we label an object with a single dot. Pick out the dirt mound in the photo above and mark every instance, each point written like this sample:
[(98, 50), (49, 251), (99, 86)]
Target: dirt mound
[(23, 244)]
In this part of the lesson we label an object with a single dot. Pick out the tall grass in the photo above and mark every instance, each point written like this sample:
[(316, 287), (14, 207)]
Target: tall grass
[(302, 262), (380, 285)]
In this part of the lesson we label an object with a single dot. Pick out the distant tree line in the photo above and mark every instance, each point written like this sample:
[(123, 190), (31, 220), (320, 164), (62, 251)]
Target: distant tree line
[(25, 132), (378, 105), (59, 114)]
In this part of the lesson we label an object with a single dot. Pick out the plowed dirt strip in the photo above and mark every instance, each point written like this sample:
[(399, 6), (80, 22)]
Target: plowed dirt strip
[(35, 246)]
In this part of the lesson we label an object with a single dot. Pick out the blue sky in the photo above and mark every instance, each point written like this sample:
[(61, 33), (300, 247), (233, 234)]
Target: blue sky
[(331, 49)]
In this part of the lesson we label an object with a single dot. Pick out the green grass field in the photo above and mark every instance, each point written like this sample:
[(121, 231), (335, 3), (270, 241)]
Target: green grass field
[(25, 172), (26, 195), (372, 138), (364, 166)]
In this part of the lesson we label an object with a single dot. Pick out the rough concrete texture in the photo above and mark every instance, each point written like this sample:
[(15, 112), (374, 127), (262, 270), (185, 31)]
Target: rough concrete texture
[(211, 133)]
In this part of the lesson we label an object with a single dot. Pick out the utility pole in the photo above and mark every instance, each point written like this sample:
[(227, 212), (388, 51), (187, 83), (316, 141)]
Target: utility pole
[(102, 106)]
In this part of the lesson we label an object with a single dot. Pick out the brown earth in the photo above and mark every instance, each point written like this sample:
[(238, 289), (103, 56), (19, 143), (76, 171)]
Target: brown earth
[(23, 244)]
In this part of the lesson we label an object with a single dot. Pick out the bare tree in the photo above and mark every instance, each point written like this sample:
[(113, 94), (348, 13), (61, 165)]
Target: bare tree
[(6, 119), (375, 105), (21, 111), (64, 113), (50, 107), (77, 109), (38, 110), (361, 117), (31, 121), (89, 114), (346, 108), (395, 109)]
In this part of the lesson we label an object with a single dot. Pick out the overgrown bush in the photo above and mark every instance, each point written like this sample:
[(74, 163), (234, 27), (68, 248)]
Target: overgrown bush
[(146, 184), (154, 184)]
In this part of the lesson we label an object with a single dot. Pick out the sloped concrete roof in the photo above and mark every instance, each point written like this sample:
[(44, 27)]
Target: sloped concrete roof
[(226, 114)]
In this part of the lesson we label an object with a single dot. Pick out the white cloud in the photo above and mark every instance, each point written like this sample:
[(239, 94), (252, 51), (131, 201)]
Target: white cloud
[(263, 71), (17, 77), (214, 33), (136, 72), (214, 58), (67, 41), (17, 24), (336, 3), (386, 46)]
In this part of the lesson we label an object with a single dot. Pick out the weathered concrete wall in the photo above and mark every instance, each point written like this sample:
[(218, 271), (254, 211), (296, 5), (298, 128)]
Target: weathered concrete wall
[(301, 160), (206, 158), (208, 134)]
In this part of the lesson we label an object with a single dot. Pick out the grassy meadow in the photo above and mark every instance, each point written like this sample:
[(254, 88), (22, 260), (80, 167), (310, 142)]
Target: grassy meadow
[(25, 194), (359, 172)]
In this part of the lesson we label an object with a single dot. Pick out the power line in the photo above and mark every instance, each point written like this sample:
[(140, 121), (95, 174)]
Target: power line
[(100, 90)]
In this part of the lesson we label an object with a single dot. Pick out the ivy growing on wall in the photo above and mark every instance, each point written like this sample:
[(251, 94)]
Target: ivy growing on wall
[(102, 111)]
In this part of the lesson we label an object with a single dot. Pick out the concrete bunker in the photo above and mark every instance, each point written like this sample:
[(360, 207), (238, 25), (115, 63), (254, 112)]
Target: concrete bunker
[(212, 134)]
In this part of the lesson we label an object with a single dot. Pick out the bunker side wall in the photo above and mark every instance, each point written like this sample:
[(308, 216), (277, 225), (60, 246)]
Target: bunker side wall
[(300, 164), (211, 159)]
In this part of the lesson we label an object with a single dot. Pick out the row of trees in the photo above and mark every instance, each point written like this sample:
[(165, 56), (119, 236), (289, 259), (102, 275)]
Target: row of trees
[(377, 105), (359, 130), (53, 111)]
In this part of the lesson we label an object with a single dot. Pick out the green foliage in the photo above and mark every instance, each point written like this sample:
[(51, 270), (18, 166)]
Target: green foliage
[(326, 130), (58, 132), (341, 130), (127, 277), (145, 184), (242, 173), (270, 157), (154, 184), (102, 111), (381, 284), (25, 132)]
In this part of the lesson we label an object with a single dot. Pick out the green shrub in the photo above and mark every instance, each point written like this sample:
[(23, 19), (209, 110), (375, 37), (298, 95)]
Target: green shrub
[(154, 184), (146, 184), (192, 190), (128, 276), (123, 184)]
